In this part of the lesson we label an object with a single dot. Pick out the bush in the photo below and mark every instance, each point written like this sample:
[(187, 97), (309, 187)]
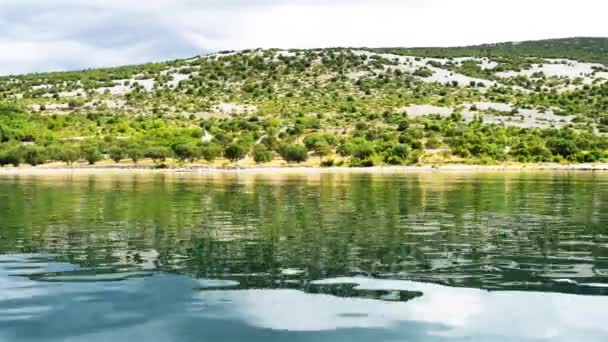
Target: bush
[(293, 153), (10, 157), (117, 153), (261, 154), (135, 154), (397, 155), (210, 151), (69, 154), (186, 152), (327, 163), (91, 154), (361, 163), (433, 143), (34, 155), (417, 145), (235, 151), (158, 154), (562, 147), (358, 148)]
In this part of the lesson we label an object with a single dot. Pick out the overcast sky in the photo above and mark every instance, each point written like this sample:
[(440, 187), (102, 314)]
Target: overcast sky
[(45, 35)]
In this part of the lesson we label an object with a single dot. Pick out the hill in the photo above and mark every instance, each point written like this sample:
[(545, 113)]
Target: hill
[(529, 102), (585, 49)]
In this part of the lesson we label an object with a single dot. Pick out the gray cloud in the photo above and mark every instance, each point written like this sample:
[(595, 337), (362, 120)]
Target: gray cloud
[(43, 35)]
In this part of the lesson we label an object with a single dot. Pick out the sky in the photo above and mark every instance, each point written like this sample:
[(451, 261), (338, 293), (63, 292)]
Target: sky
[(51, 35)]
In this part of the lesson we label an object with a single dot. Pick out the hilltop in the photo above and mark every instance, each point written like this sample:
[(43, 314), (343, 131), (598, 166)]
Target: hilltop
[(536, 101)]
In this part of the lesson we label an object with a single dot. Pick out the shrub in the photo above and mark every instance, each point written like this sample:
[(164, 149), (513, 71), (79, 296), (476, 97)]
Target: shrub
[(358, 148), (186, 152), (261, 154), (91, 154), (293, 153), (34, 155), (433, 143), (135, 154), (117, 153), (69, 154), (327, 163), (235, 151), (158, 154), (11, 156), (210, 151), (562, 147)]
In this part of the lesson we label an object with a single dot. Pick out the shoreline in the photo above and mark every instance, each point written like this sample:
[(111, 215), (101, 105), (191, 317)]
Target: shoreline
[(86, 169)]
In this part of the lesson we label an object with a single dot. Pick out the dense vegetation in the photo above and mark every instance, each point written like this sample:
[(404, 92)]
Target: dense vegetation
[(586, 49), (323, 107)]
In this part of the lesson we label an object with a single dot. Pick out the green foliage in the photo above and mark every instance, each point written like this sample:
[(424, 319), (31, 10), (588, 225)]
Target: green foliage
[(397, 155), (34, 155), (293, 153), (68, 154), (584, 49), (158, 154), (91, 154), (186, 151), (261, 154), (10, 155), (235, 151), (210, 151), (134, 153), (117, 153), (358, 148), (328, 100)]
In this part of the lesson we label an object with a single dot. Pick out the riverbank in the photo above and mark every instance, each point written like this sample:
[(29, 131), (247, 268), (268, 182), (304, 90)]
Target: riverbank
[(50, 169)]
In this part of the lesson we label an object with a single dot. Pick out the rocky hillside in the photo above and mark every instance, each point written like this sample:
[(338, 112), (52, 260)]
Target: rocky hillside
[(424, 99)]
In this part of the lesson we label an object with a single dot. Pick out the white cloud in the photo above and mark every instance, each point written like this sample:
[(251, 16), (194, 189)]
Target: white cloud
[(42, 35)]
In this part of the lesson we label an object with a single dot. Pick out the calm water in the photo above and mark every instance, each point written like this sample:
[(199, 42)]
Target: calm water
[(333, 257)]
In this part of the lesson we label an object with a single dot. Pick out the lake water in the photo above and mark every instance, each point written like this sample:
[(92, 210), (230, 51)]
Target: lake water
[(315, 257)]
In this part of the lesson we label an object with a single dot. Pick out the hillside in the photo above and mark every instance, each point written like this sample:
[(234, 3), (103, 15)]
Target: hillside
[(584, 49), (528, 102)]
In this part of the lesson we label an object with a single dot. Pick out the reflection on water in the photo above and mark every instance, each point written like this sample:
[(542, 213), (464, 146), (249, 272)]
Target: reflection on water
[(318, 257)]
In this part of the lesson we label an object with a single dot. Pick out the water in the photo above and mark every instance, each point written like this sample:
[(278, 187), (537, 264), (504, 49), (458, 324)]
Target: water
[(330, 257)]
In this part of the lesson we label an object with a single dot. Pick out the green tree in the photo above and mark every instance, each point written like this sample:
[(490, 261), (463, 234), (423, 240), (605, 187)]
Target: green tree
[(158, 154), (135, 153), (69, 154), (117, 153), (34, 155), (261, 154), (186, 151), (293, 153), (91, 154), (563, 147), (235, 151), (11, 156), (210, 151)]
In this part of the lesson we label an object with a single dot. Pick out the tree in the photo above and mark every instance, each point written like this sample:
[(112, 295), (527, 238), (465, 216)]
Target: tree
[(210, 151), (91, 154), (261, 154), (321, 144), (135, 154), (158, 154), (563, 147), (358, 148), (293, 153), (235, 151), (117, 153), (397, 154), (34, 155), (69, 154), (10, 157), (186, 151)]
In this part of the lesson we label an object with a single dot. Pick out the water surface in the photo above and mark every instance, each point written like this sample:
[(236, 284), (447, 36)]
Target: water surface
[(312, 257)]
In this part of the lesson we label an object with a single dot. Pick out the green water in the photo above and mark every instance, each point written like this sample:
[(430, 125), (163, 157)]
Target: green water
[(316, 257)]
